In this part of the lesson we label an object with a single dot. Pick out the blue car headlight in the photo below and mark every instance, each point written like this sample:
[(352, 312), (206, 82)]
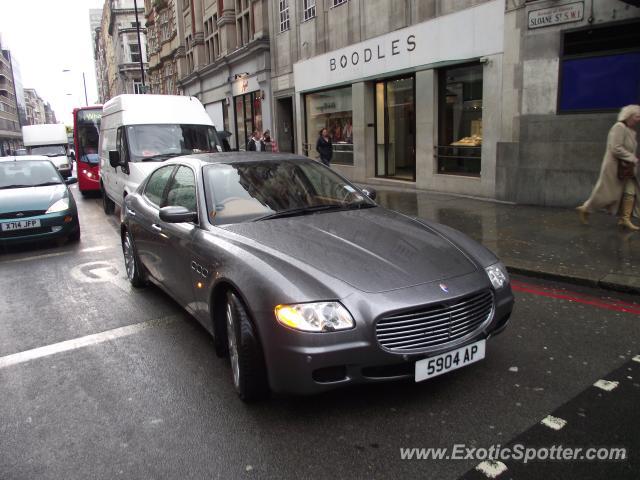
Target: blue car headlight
[(498, 275), (59, 206)]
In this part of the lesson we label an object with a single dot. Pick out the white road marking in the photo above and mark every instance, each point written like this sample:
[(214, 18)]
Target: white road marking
[(554, 423), (491, 468), (86, 341), (98, 248), (37, 257), (636, 358), (606, 385)]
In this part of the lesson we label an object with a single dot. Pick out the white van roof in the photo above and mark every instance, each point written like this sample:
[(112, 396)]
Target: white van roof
[(157, 109), (46, 134)]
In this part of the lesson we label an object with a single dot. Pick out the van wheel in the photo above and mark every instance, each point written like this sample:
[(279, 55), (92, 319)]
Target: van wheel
[(245, 352), (107, 204)]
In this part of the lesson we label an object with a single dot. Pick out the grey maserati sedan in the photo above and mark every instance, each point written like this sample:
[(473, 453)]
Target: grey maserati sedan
[(305, 283)]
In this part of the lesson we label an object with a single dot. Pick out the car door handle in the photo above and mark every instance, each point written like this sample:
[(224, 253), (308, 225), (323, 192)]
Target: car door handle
[(156, 227), (131, 212)]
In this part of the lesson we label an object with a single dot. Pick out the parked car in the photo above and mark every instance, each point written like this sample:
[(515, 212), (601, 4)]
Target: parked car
[(139, 132), (35, 202), (303, 280)]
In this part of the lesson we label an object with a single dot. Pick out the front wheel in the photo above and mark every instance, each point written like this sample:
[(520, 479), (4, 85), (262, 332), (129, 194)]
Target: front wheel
[(108, 205), (132, 262), (245, 352)]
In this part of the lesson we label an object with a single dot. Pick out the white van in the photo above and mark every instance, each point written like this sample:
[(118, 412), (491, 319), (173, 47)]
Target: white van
[(139, 132), (49, 140)]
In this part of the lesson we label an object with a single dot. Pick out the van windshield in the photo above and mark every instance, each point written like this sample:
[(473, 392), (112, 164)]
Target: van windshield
[(159, 142), (49, 150)]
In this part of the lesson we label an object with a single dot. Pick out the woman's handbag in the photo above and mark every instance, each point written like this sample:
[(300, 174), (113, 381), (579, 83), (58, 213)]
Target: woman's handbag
[(625, 169)]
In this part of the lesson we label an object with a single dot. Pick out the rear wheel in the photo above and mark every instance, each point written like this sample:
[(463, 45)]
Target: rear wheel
[(245, 352), (132, 262), (107, 204)]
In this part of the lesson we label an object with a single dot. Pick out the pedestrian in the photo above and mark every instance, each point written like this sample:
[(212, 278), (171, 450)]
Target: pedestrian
[(324, 147), (266, 141), (617, 187), (255, 143)]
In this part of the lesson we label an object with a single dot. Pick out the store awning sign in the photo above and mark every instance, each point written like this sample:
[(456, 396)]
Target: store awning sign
[(547, 17)]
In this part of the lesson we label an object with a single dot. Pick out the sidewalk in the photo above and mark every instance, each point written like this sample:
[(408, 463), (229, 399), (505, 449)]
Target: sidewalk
[(536, 241)]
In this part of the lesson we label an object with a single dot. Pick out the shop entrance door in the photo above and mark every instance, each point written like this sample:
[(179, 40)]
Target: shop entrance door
[(285, 124), (396, 129)]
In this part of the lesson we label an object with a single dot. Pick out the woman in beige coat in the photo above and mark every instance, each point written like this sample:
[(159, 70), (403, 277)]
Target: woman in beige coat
[(612, 193)]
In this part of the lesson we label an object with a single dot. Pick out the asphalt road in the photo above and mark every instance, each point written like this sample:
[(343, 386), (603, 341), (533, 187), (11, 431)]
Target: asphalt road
[(98, 380)]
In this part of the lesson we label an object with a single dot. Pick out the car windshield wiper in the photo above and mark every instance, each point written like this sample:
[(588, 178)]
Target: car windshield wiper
[(160, 157), (45, 184), (358, 205), (292, 212), (15, 186)]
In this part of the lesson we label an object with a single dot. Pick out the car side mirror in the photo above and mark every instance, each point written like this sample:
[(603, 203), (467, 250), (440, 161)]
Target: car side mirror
[(71, 180), (114, 158), (370, 192), (177, 215)]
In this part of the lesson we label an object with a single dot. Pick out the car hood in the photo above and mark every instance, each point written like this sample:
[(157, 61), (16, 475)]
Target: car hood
[(373, 250), (30, 198)]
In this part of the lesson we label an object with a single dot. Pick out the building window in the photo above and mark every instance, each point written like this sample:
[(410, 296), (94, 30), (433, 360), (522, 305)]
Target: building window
[(168, 81), (308, 9), (331, 109), (137, 87), (600, 68), (338, 2), (460, 120), (396, 129), (244, 26), (135, 52), (212, 39), (284, 15)]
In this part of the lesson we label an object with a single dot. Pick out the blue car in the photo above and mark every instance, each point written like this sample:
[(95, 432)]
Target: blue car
[(35, 203)]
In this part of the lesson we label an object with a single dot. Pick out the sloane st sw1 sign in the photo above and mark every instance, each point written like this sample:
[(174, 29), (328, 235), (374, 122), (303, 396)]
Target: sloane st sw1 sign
[(547, 17)]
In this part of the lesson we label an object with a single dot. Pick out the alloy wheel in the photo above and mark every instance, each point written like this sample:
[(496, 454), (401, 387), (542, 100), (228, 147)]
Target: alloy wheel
[(233, 346), (129, 257)]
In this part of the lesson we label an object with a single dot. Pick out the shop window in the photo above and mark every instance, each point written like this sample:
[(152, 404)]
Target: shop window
[(248, 117), (460, 120), (600, 68), (331, 109)]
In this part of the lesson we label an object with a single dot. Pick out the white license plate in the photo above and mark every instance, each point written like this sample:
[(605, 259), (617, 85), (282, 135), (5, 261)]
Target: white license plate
[(445, 362), (20, 225)]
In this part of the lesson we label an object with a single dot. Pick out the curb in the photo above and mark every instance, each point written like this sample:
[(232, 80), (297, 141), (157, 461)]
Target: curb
[(585, 282)]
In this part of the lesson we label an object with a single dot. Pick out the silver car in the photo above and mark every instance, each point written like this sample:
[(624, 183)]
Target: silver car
[(303, 280)]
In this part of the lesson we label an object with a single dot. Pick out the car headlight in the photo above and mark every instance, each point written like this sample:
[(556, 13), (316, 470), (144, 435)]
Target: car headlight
[(498, 275), (63, 165), (315, 317), (59, 206)]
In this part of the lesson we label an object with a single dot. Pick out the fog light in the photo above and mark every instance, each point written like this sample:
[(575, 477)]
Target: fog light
[(56, 229), (68, 219)]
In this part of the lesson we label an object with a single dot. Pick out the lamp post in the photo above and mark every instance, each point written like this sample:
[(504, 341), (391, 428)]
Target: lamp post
[(84, 82), (135, 7)]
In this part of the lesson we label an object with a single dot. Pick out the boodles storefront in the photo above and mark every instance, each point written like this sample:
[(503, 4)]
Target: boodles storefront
[(414, 105)]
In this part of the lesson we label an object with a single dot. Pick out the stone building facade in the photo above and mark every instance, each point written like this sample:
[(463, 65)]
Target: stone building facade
[(165, 47), (227, 63), (490, 98), (116, 50), (10, 132), (36, 114)]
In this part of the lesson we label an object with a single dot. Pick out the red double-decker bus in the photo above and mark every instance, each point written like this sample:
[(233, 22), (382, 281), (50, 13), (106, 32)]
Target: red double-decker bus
[(86, 133)]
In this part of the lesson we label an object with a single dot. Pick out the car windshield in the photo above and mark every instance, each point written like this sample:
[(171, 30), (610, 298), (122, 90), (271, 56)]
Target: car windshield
[(267, 189), (49, 150), (159, 142), (28, 173), (87, 132)]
